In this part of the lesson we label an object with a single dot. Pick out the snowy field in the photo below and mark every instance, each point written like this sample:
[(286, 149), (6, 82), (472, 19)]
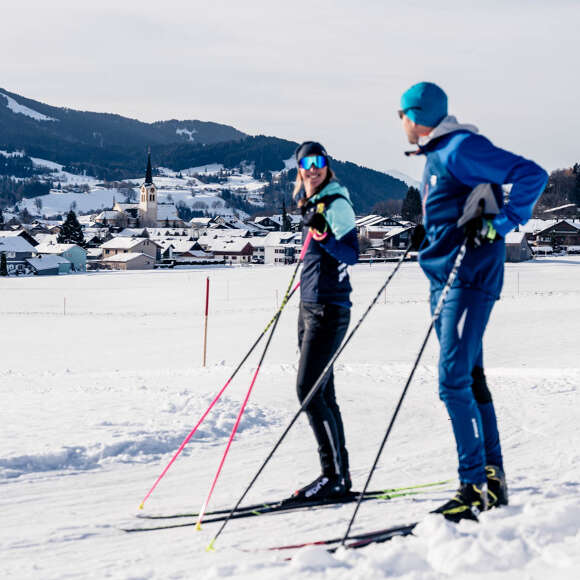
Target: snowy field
[(98, 394)]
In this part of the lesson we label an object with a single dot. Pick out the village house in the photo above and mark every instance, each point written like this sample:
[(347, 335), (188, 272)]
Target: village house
[(76, 255), (17, 250), (281, 247), (49, 265), (563, 235), (517, 248), (233, 251), (129, 261), (124, 245)]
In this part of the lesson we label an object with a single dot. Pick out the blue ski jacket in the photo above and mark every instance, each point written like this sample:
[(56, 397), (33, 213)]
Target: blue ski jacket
[(324, 278), (457, 160)]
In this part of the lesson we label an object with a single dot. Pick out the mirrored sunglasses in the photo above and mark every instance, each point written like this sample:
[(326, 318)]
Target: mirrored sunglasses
[(318, 161)]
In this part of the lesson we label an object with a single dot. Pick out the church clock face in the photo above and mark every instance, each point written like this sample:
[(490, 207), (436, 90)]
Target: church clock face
[(152, 190)]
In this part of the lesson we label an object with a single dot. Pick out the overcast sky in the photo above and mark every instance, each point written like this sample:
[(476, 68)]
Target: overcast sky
[(326, 70)]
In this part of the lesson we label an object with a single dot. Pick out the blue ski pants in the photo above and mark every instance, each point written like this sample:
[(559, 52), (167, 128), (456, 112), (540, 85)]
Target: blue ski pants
[(462, 385)]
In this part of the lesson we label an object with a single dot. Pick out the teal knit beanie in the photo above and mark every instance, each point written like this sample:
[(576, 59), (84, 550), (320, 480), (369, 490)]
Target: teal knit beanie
[(425, 104)]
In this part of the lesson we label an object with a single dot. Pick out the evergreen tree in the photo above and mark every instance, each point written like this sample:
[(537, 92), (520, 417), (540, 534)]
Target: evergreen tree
[(1, 220), (24, 216), (575, 194), (412, 209), (286, 224), (71, 231), (3, 265)]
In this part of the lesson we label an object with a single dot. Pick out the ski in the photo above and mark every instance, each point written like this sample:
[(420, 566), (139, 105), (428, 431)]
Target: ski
[(387, 493), (280, 507), (355, 541)]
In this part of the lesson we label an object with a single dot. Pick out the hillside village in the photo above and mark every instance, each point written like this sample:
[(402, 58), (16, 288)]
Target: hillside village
[(148, 233)]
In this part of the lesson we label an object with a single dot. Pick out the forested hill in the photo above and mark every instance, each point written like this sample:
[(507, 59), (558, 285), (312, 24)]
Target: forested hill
[(112, 147)]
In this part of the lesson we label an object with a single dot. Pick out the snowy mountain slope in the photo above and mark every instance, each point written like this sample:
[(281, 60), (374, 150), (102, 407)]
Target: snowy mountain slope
[(100, 408)]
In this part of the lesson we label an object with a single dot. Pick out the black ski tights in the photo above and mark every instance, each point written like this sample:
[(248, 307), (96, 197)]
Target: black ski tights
[(321, 328)]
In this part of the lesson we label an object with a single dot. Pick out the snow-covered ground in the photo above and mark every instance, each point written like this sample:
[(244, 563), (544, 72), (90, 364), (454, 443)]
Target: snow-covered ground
[(96, 398)]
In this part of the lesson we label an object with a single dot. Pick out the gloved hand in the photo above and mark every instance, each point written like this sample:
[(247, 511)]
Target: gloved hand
[(417, 236), (317, 223), (480, 231)]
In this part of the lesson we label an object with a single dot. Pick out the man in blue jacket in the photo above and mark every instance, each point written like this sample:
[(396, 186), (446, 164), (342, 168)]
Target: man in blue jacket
[(458, 160)]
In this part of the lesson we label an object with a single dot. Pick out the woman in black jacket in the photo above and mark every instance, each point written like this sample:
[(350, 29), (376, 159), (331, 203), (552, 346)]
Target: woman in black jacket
[(324, 310)]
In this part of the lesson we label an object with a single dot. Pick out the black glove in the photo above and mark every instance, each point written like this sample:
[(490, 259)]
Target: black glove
[(417, 237), (315, 220), (480, 231)]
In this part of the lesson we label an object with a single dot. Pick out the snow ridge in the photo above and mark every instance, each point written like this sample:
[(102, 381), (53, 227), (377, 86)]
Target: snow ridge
[(138, 443)]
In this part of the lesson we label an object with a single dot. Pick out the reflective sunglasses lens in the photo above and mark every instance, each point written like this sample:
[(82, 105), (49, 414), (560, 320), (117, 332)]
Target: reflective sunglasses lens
[(320, 161), (312, 161)]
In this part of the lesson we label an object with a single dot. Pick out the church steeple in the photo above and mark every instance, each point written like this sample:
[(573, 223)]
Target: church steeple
[(148, 174), (148, 202)]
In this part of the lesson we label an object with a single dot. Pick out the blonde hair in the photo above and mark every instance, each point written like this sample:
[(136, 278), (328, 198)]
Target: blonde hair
[(298, 185)]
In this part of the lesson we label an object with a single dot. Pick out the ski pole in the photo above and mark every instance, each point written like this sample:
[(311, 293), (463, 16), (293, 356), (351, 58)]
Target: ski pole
[(246, 399), (309, 396), (215, 400), (434, 317)]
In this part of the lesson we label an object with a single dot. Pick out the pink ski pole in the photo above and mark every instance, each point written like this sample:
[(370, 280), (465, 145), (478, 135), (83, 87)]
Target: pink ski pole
[(243, 407)]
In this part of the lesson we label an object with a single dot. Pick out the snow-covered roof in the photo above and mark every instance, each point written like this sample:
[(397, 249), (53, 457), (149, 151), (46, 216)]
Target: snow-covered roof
[(94, 252), (368, 220), (132, 232), (10, 233), (395, 231), (212, 234), (54, 248), (195, 254), (86, 220), (123, 243), (278, 238), (15, 244), (277, 218), (233, 246), (46, 238), (179, 246), (169, 231), (109, 214), (565, 206), (125, 257), (536, 225), (47, 262), (515, 238)]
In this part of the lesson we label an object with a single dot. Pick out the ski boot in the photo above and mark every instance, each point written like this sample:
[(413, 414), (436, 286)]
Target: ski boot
[(323, 487), (496, 485), (469, 501)]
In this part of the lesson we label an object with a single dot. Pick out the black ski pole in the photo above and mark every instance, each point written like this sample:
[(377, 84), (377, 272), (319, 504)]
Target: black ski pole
[(436, 313), (309, 396)]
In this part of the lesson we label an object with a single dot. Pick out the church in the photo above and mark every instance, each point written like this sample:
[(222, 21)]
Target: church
[(149, 212)]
